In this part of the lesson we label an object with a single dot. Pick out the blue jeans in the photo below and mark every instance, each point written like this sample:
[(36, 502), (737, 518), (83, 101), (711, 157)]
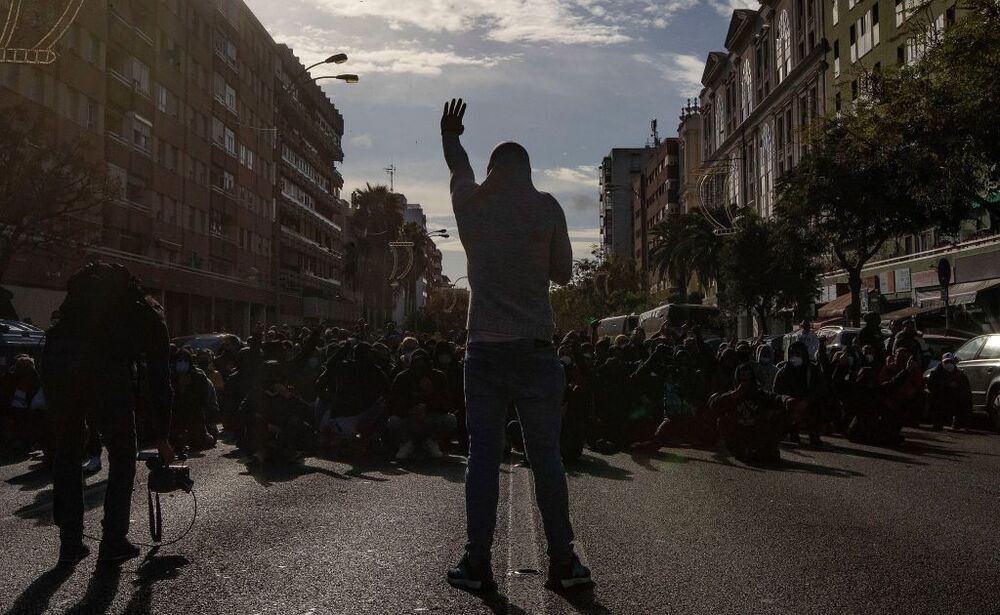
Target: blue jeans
[(531, 377)]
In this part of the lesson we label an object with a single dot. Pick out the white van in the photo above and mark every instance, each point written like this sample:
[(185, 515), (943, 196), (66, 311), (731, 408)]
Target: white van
[(706, 317), (616, 325)]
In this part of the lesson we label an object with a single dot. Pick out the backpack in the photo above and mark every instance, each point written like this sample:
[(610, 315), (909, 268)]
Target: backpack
[(102, 307)]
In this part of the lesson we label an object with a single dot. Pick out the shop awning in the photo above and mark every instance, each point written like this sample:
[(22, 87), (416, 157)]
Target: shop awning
[(835, 308), (909, 312), (958, 294)]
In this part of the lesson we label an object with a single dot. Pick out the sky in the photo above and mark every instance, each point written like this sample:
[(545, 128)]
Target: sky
[(568, 79)]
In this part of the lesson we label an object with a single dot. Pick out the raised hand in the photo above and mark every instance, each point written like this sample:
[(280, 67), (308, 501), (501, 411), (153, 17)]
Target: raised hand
[(451, 119)]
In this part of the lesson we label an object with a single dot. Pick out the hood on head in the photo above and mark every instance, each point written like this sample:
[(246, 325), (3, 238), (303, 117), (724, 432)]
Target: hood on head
[(509, 163)]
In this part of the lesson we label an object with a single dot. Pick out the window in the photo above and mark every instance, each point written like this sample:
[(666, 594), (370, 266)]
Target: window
[(863, 36), (747, 89), (140, 76), (971, 348), (783, 47), (225, 48), (854, 89), (837, 103), (875, 28), (246, 157), (142, 131), (230, 142), (836, 58), (216, 224), (766, 170), (720, 118), (836, 12), (224, 92), (165, 101), (223, 180), (854, 43), (991, 350)]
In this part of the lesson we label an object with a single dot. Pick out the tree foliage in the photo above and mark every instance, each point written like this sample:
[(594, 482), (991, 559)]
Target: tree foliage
[(601, 286), (376, 220), (47, 187), (684, 245)]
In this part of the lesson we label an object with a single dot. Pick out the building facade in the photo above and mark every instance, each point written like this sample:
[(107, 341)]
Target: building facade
[(310, 214), (759, 96), (656, 195), (619, 170), (179, 100)]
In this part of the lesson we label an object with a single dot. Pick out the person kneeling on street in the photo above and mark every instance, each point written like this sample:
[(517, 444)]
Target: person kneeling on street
[(949, 394), (752, 421), (282, 421), (195, 403), (418, 407)]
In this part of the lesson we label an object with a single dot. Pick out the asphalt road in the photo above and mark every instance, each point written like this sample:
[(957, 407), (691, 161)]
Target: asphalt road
[(850, 529)]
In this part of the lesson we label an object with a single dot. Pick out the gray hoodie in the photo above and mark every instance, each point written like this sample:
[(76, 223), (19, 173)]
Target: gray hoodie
[(516, 241)]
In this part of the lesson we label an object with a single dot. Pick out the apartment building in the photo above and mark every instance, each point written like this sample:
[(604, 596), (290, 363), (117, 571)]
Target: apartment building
[(619, 170), (178, 99), (655, 196)]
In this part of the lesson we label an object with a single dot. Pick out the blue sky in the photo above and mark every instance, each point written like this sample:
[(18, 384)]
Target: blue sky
[(568, 79)]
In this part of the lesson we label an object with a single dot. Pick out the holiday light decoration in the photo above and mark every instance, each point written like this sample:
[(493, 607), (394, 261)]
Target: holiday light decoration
[(31, 29)]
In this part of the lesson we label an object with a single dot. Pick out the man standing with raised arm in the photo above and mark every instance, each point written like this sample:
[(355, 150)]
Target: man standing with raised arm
[(516, 241)]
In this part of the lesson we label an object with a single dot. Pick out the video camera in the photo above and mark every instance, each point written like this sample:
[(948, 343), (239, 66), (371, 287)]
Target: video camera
[(165, 478)]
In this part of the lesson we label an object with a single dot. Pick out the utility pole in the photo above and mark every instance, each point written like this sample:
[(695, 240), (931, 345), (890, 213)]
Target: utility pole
[(391, 172)]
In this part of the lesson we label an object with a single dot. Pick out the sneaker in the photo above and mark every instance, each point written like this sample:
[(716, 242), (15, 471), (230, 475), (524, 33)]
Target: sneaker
[(564, 575), (469, 576), (116, 551), (405, 451), (92, 465), (433, 449), (72, 552)]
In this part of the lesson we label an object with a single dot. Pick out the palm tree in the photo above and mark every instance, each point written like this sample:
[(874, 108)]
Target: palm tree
[(684, 245), (376, 220)]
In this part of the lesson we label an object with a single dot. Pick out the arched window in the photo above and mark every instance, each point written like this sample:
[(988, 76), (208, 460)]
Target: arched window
[(765, 166), (783, 47), (747, 89), (720, 117)]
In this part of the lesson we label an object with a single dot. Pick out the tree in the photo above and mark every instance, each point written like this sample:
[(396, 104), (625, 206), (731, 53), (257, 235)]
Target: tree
[(860, 184), (47, 187), (601, 286), (767, 265), (376, 220), (684, 245)]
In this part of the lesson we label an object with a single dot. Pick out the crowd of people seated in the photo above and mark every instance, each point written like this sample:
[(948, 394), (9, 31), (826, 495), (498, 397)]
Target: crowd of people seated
[(292, 391)]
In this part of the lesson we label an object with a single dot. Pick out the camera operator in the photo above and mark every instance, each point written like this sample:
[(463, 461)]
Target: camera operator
[(91, 360)]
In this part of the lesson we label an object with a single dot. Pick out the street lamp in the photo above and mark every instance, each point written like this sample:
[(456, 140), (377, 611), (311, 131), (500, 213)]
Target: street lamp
[(346, 78), (337, 58)]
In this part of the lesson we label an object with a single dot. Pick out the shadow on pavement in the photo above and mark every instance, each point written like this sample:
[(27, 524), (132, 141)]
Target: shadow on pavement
[(496, 602), (38, 475), (596, 467), (36, 597), (583, 600), (450, 468), (152, 569), (41, 509), (101, 591), (868, 454)]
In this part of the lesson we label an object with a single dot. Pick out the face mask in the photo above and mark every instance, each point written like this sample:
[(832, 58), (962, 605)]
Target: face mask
[(566, 360), (949, 367), (444, 359), (795, 361), (182, 367)]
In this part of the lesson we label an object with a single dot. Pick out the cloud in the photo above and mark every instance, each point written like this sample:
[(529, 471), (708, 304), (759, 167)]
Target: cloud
[(584, 22), (585, 175), (726, 7), (683, 70), (364, 141)]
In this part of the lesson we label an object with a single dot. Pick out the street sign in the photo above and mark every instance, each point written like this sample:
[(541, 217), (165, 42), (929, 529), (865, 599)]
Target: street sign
[(944, 272)]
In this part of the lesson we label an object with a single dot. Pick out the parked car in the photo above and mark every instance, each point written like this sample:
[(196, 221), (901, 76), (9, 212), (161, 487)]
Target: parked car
[(615, 325), (838, 338), (979, 360), (19, 338), (211, 341), (937, 345), (706, 317)]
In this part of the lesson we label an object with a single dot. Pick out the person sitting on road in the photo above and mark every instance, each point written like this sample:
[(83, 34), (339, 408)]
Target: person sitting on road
[(418, 406), (908, 398), (281, 421), (876, 420), (195, 404), (949, 395), (21, 428), (803, 380), (752, 421), (355, 391)]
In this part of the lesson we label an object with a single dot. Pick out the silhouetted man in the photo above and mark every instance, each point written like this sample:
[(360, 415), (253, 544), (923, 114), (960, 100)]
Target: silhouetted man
[(516, 241), (107, 328)]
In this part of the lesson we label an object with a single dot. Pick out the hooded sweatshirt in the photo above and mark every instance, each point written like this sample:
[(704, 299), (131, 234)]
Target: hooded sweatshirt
[(516, 241)]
